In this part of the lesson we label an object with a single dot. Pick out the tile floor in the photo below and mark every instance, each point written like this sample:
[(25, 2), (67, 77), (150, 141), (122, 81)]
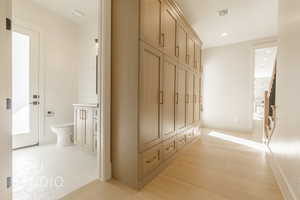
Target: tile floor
[(48, 172)]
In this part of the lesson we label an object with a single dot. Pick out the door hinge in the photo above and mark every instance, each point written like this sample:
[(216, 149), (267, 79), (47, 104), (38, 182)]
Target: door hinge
[(8, 182), (8, 24), (8, 104)]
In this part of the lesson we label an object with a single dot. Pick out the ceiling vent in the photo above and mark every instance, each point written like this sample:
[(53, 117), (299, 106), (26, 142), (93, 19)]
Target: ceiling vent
[(223, 12)]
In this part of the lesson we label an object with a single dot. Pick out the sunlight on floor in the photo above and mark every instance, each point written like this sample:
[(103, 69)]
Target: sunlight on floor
[(238, 140)]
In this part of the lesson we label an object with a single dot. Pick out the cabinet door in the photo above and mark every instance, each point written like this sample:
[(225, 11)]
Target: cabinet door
[(189, 98), (197, 58), (89, 130), (196, 98), (150, 98), (190, 52), (80, 127), (168, 105), (169, 31), (180, 98), (181, 48), (150, 21)]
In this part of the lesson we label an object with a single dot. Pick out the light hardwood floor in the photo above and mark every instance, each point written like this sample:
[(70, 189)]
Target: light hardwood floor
[(220, 166)]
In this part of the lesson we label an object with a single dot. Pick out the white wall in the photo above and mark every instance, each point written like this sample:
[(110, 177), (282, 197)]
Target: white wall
[(87, 66), (228, 85), (58, 61), (285, 143)]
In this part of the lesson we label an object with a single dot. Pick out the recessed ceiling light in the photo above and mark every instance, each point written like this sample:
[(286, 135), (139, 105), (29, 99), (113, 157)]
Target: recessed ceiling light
[(224, 34), (78, 13)]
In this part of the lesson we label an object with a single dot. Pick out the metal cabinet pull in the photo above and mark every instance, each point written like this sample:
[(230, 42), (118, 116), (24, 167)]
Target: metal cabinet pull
[(176, 97), (162, 40), (177, 51), (161, 97)]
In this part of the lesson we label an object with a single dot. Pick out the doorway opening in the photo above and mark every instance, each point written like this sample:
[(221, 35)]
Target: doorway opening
[(265, 59), (55, 71)]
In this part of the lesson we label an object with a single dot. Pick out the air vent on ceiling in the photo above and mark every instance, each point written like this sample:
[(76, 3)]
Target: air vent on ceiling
[(223, 12)]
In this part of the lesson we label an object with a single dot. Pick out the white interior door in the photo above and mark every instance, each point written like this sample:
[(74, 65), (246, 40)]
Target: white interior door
[(25, 94), (5, 95)]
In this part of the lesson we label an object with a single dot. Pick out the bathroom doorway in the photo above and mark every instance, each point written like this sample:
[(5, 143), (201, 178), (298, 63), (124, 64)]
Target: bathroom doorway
[(25, 94), (28, 174)]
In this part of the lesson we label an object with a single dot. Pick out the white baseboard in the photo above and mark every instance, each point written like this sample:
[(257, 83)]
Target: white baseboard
[(280, 177)]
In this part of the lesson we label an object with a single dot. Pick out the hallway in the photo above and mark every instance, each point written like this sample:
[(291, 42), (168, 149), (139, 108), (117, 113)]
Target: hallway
[(220, 166)]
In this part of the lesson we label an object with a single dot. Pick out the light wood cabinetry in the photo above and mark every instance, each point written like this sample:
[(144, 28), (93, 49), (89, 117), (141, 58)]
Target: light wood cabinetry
[(197, 82), (169, 30), (189, 98), (181, 44), (190, 51), (85, 127), (168, 98), (154, 87), (180, 98), (151, 22), (198, 58), (150, 96)]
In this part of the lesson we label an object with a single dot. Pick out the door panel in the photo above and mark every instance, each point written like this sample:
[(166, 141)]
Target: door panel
[(191, 53), (168, 106), (25, 93), (89, 132), (180, 98), (151, 21), (196, 98), (190, 93), (198, 58), (5, 92), (150, 66), (169, 31), (181, 44)]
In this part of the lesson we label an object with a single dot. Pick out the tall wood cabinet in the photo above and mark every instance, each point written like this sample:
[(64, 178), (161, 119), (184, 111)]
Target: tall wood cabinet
[(155, 87)]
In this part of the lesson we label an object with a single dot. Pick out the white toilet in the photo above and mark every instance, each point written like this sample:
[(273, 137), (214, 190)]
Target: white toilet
[(64, 133)]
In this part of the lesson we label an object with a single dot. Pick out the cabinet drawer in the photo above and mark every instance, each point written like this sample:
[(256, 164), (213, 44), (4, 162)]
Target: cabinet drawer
[(169, 148), (151, 159), (189, 136), (180, 142)]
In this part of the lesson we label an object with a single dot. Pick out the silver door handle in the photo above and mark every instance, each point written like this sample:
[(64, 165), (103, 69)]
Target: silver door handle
[(35, 103)]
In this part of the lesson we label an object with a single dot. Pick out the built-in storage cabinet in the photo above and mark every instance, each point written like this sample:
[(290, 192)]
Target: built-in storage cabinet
[(189, 98), (151, 63), (169, 30), (151, 22), (85, 127), (181, 44), (167, 81), (155, 87), (180, 98)]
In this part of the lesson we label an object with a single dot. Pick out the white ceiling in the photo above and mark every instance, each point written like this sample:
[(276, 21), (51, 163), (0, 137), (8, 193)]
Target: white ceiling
[(264, 62), (247, 19), (65, 8)]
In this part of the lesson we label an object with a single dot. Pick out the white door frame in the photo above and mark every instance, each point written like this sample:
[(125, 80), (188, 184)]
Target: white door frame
[(5, 92), (104, 149)]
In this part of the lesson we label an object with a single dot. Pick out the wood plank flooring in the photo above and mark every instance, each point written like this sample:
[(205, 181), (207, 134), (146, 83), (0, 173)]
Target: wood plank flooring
[(220, 166)]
